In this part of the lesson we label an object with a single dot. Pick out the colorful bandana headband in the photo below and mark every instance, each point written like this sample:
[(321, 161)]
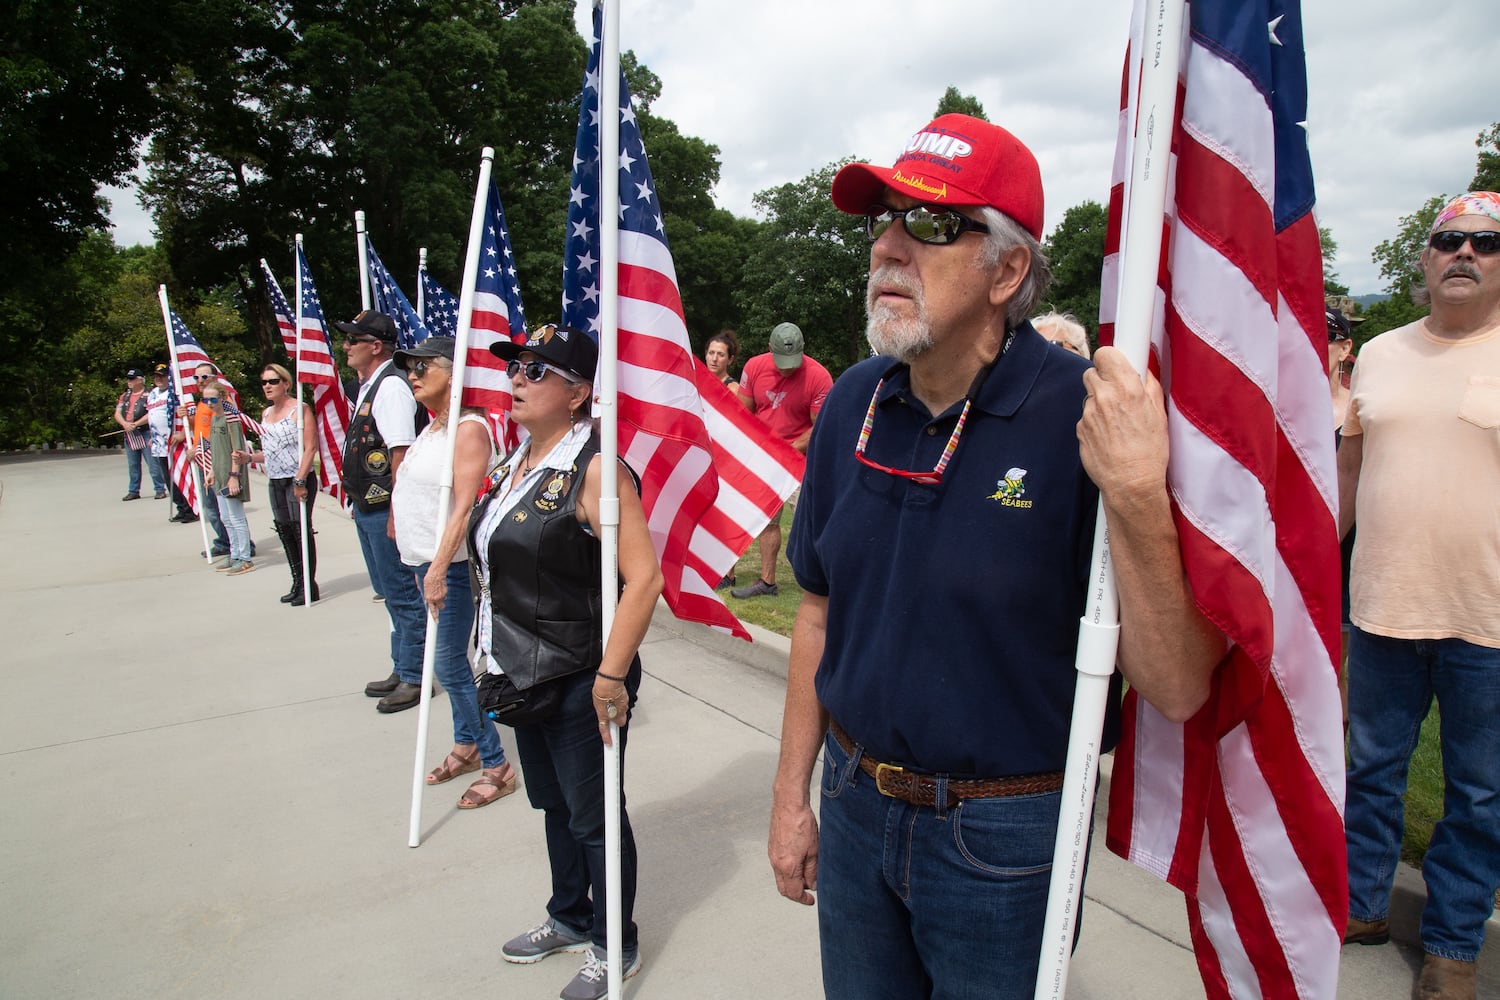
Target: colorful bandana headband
[(1473, 203)]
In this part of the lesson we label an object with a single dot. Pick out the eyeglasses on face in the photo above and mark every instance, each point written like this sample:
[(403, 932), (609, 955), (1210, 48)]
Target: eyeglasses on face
[(271, 381), (421, 368), (211, 400), (352, 339), (923, 223), (204, 378), (1450, 240), (535, 371)]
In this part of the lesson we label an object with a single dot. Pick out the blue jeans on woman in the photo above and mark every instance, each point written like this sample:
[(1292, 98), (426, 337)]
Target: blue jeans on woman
[(564, 763), (451, 664), (926, 902), (232, 510), (1391, 686)]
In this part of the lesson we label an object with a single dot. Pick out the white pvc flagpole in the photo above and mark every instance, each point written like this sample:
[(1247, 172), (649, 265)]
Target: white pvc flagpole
[(187, 431), (609, 491), (304, 538), (1099, 628), (445, 478), (364, 260), (421, 292)]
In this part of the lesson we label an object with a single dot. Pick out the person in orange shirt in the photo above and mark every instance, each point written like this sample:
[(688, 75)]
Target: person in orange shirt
[(202, 420)]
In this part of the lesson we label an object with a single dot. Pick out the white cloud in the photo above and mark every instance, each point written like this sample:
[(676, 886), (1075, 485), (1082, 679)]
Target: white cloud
[(1398, 92)]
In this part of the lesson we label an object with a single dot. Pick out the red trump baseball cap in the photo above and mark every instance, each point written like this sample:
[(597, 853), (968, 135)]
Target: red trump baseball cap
[(956, 160)]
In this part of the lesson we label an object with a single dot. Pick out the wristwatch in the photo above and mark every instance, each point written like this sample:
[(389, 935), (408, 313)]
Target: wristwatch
[(301, 483)]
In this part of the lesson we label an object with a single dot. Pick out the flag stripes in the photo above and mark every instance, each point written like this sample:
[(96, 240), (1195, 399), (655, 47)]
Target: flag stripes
[(1241, 806)]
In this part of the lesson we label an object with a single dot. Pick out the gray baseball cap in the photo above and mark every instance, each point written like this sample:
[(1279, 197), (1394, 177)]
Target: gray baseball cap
[(786, 346)]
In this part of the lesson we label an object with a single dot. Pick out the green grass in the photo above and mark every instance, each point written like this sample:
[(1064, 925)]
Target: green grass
[(773, 613), (1424, 791)]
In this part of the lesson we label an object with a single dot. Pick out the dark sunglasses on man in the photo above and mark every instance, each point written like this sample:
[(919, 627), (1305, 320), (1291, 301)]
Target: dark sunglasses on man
[(923, 223), (1450, 240)]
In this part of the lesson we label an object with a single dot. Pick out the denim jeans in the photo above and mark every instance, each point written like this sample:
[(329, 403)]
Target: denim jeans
[(919, 902), (1391, 686), (563, 759), (403, 601), (451, 665), (133, 468), (208, 499), (232, 510)]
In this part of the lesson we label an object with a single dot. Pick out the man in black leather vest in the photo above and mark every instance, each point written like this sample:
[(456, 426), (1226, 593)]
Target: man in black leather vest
[(385, 422)]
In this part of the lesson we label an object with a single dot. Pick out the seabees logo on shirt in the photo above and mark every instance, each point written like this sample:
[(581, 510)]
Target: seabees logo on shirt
[(1010, 489)]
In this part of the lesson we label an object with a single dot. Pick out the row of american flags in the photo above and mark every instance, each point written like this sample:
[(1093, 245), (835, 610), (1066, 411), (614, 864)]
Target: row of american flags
[(712, 475), (1240, 807)]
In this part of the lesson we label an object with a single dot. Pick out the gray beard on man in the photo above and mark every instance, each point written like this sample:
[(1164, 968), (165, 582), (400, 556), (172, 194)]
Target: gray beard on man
[(904, 338)]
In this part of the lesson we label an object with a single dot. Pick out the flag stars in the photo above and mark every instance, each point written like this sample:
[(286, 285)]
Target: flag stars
[(644, 192), (1271, 28)]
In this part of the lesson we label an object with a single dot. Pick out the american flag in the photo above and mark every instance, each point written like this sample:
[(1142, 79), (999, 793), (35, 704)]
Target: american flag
[(388, 298), (439, 307), (188, 355), (1241, 806), (498, 315), (316, 367), (282, 311), (704, 497), (179, 455)]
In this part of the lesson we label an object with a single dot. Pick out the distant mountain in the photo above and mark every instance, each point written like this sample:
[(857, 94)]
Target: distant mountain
[(1366, 301)]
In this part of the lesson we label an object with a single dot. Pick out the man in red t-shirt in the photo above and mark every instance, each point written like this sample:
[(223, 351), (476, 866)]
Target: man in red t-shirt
[(785, 388)]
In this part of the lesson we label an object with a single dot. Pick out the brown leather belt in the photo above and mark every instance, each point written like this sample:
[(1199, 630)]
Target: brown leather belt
[(921, 789)]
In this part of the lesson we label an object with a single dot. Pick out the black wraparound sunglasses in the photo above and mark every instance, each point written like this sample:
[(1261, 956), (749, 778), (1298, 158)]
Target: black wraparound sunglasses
[(1449, 241), (923, 223)]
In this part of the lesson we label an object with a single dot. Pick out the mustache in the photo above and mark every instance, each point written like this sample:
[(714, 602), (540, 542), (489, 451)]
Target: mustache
[(889, 277), (1459, 267)]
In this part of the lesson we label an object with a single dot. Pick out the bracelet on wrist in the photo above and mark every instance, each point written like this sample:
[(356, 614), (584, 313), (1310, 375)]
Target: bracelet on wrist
[(609, 677)]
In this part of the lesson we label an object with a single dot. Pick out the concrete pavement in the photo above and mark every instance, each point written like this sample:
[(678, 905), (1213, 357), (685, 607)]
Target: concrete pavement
[(222, 813)]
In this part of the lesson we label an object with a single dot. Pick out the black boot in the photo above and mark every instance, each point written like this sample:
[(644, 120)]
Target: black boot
[(309, 579), (288, 535)]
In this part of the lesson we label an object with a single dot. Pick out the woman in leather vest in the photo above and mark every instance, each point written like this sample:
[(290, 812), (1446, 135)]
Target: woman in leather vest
[(534, 547)]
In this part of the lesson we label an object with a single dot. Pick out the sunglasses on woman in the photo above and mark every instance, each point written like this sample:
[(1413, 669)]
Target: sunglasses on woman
[(938, 227), (1450, 240), (421, 368), (211, 400), (535, 371), (271, 381)]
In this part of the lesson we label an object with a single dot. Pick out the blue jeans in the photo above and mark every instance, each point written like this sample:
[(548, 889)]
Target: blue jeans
[(232, 510), (208, 499), (403, 601), (451, 664), (133, 469), (920, 902), (564, 763), (1391, 686)]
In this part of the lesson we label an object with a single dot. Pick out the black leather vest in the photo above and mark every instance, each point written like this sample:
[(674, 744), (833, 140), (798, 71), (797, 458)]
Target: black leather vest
[(367, 461), (546, 600)]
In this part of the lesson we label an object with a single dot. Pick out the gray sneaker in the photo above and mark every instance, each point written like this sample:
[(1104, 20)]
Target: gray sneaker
[(548, 938), (759, 588), (592, 981)]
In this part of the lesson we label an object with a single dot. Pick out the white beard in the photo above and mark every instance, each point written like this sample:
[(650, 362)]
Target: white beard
[(904, 338)]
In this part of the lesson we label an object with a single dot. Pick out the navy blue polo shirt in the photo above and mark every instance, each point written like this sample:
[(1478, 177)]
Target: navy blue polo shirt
[(953, 609)]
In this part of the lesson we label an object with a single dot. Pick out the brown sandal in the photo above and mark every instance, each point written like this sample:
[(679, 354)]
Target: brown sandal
[(454, 765), (493, 783)]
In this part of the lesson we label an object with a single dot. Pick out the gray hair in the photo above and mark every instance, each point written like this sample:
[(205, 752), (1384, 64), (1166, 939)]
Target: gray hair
[(1006, 234), (1064, 325)]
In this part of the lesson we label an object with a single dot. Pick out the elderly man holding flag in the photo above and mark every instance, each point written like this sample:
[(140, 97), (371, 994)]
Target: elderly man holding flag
[(940, 699)]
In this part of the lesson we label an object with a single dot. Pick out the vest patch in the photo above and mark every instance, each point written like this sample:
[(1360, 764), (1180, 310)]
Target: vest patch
[(551, 495), (377, 494), (377, 462)]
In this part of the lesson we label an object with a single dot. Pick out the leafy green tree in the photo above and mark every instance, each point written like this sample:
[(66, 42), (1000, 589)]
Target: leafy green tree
[(952, 102), (1399, 262), (1487, 173), (1330, 248), (808, 264), (75, 99), (1075, 250)]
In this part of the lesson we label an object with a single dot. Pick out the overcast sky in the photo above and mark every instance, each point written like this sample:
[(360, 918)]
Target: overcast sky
[(1398, 93)]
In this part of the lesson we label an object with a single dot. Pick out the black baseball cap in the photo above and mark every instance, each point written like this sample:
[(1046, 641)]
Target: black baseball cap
[(370, 324), (1338, 325), (161, 370), (569, 349), (134, 373), (432, 347)]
